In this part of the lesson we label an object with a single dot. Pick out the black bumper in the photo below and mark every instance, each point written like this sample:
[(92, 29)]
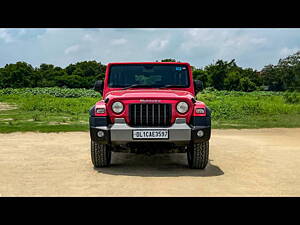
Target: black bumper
[(203, 123), (99, 124), (206, 133), (103, 140)]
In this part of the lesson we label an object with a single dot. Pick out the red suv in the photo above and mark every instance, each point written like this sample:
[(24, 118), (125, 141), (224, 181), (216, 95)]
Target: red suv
[(149, 107)]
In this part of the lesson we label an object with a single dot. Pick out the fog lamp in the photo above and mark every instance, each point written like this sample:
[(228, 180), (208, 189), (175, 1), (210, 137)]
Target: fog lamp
[(100, 133), (200, 133)]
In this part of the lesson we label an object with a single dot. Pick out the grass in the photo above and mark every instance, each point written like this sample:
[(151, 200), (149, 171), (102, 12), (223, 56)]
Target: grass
[(61, 110), (251, 110), (18, 120), (44, 112)]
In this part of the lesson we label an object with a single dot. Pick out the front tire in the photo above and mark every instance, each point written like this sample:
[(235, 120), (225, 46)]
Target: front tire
[(197, 155), (100, 154)]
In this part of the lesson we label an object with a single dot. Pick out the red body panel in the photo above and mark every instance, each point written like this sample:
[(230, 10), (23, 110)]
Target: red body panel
[(170, 95)]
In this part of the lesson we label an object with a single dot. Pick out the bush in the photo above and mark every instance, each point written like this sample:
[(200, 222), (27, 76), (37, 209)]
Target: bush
[(209, 89), (54, 91), (291, 97), (246, 84), (232, 105)]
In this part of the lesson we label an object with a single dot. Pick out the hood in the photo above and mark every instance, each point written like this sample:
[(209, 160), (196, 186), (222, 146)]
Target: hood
[(149, 94)]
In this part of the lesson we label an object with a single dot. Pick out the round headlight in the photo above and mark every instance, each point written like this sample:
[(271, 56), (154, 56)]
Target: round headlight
[(182, 107), (117, 107)]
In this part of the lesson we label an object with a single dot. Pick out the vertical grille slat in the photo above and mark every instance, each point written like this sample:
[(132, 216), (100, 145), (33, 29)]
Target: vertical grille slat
[(153, 115), (158, 113), (150, 115), (165, 114), (134, 114), (147, 114), (141, 116)]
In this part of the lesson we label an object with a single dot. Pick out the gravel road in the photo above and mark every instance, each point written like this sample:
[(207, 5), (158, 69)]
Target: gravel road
[(248, 162)]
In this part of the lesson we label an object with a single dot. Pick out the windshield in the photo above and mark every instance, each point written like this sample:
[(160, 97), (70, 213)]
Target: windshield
[(148, 75)]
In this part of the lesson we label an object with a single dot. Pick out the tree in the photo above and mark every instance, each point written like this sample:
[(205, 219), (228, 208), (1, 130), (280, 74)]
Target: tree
[(272, 78), (17, 75), (289, 69), (70, 81), (232, 81), (221, 75), (89, 71), (253, 75), (1, 78), (283, 76), (168, 60), (217, 73), (246, 84), (200, 74), (86, 69), (47, 74)]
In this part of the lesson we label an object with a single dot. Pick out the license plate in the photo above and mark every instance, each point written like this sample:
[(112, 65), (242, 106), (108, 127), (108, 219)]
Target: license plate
[(150, 134)]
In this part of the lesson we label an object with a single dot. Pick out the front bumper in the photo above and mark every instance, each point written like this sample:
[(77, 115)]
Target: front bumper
[(180, 133)]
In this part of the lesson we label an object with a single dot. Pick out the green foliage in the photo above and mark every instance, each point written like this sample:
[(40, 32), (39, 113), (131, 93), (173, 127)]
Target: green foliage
[(168, 60), (271, 78), (246, 84), (55, 92), (17, 75), (86, 69), (291, 97), (46, 75), (38, 111), (63, 109), (36, 117), (217, 73), (46, 109), (49, 104), (283, 76), (199, 74), (237, 105), (221, 75), (79, 75), (74, 81), (224, 75), (232, 81)]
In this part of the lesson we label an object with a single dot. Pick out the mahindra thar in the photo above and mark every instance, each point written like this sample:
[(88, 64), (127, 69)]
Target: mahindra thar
[(149, 107)]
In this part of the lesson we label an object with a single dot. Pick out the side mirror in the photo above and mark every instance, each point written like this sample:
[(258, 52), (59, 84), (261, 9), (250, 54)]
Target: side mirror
[(99, 86), (198, 85)]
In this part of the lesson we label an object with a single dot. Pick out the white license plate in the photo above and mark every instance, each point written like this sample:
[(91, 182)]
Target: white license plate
[(150, 134)]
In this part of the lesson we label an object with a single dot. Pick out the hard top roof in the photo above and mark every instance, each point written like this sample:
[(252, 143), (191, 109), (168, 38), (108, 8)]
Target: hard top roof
[(122, 63)]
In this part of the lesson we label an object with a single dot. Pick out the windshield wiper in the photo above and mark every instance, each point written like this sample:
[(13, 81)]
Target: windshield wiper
[(173, 86), (137, 86)]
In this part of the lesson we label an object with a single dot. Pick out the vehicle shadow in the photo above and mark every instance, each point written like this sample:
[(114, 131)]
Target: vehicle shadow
[(158, 165)]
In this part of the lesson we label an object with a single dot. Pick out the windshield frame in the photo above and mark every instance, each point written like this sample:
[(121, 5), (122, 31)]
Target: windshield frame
[(154, 64)]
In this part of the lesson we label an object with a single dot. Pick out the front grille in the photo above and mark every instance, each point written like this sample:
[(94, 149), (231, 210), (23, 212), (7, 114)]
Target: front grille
[(150, 115)]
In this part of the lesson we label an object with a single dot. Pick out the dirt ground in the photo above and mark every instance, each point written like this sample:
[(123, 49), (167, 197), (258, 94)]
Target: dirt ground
[(4, 106), (254, 162)]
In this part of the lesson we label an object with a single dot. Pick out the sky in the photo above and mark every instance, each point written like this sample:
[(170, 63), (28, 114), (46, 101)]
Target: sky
[(253, 48)]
